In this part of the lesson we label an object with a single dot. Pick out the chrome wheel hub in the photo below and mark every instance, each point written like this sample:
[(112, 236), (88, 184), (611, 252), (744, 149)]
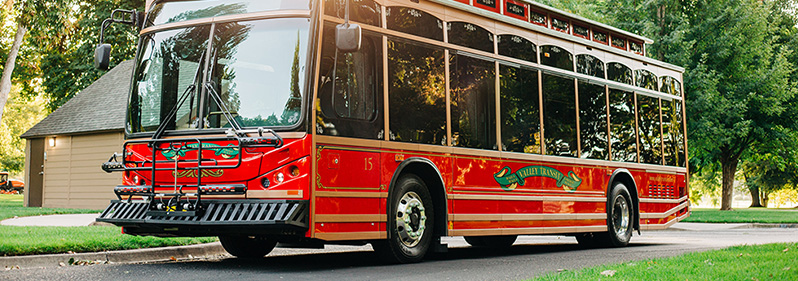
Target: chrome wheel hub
[(411, 218), (620, 216)]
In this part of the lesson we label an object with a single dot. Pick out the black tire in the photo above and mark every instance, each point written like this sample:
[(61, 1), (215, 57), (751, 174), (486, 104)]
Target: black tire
[(247, 247), (620, 218), (410, 222)]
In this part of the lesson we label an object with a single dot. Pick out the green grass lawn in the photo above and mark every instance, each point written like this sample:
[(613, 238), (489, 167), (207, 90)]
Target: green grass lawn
[(761, 262), (747, 215), (11, 206), (31, 240)]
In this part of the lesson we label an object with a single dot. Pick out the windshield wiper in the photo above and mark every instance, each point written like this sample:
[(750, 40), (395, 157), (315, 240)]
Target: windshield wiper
[(218, 98), (190, 90)]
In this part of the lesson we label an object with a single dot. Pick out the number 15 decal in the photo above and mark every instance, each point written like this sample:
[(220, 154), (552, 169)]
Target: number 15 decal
[(369, 163)]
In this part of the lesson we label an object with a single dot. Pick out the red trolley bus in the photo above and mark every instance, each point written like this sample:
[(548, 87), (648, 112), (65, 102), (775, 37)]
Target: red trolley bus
[(395, 123)]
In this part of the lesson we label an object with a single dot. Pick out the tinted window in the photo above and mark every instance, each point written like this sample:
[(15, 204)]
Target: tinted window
[(470, 35), (623, 138), (636, 47), (517, 47), (589, 65), (646, 79), (174, 11), (559, 115), (365, 11), (600, 36), (473, 94), (581, 31), (417, 91), (416, 22), (672, 133), (619, 42), (619, 73), (538, 18), (520, 115), (260, 90), (167, 67), (556, 57), (671, 86), (560, 25), (649, 130), (593, 121), (350, 92)]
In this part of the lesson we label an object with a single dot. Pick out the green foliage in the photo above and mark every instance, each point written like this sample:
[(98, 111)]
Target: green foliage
[(751, 215), (19, 116), (760, 262), (70, 68)]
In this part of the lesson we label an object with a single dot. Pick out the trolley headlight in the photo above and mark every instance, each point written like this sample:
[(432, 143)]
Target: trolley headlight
[(279, 177)]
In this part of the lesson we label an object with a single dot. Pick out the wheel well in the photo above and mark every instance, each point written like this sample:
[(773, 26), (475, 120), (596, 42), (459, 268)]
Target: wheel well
[(431, 176), (623, 176)]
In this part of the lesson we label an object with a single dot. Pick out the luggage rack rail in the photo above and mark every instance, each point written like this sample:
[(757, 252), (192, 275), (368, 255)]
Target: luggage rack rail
[(173, 155)]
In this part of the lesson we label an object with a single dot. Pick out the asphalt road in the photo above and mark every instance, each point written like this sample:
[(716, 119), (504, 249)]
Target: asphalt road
[(530, 256)]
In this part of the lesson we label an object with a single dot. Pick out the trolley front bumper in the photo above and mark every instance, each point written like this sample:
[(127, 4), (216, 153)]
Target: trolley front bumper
[(215, 217)]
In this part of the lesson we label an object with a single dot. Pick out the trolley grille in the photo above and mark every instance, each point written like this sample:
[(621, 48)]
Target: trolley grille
[(239, 212)]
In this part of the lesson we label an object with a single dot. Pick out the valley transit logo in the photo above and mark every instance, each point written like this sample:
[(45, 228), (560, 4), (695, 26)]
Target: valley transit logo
[(509, 180)]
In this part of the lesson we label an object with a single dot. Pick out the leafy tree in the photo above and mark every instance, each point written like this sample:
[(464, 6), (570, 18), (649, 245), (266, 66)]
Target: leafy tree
[(68, 67), (21, 114), (737, 82), (45, 20), (770, 169)]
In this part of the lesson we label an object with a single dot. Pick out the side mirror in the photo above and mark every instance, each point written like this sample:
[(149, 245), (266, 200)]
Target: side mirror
[(348, 37), (102, 56)]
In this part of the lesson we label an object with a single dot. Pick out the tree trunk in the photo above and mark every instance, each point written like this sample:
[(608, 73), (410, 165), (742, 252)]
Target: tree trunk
[(765, 199), (755, 197), (729, 166), (5, 81)]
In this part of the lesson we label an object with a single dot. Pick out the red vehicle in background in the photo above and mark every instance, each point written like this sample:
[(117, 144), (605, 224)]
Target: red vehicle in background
[(394, 123), (9, 185)]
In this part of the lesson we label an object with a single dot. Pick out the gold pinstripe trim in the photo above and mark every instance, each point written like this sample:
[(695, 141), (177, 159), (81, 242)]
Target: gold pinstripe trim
[(666, 213), (343, 143), (351, 194), (350, 218), (655, 200), (526, 217), (527, 230), (340, 236), (526, 198), (273, 194), (661, 226)]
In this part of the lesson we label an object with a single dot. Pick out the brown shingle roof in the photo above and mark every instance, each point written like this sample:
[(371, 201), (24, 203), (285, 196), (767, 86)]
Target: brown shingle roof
[(99, 107)]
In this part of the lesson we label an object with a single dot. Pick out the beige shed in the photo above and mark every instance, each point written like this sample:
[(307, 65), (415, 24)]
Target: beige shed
[(65, 150)]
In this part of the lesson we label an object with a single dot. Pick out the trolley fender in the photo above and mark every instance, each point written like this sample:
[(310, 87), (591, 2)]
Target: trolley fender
[(431, 175), (624, 176)]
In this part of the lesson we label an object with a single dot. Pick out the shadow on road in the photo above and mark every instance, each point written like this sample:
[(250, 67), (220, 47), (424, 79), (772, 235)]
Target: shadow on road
[(359, 259)]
